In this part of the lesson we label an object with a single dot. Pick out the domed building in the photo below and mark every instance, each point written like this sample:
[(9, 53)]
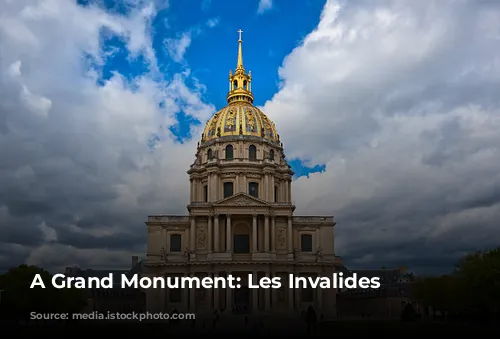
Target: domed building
[(241, 221)]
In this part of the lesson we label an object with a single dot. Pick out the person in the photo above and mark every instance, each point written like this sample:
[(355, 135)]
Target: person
[(311, 319)]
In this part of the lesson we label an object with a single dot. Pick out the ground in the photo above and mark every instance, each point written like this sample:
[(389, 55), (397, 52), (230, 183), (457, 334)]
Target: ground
[(255, 327)]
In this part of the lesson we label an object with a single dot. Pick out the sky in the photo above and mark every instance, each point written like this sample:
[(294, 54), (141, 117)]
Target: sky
[(389, 112)]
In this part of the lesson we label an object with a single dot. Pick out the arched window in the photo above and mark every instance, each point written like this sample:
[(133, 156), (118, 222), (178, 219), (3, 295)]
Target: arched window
[(252, 152), (245, 84), (210, 154), (253, 189), (235, 84), (271, 155), (229, 152), (228, 189)]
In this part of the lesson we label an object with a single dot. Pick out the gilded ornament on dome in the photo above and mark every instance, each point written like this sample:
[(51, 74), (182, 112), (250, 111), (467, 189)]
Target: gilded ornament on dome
[(231, 120)]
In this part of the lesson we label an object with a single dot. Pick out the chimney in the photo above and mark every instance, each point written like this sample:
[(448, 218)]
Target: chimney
[(135, 260)]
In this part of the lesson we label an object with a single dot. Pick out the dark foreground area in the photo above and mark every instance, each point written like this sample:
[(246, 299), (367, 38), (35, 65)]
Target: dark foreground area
[(334, 328)]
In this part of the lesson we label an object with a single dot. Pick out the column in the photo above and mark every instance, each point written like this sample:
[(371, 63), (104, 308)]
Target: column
[(210, 294), (254, 232), (192, 294), (228, 233), (192, 234), (319, 295), (228, 297), (317, 235), (216, 293), (191, 187), (274, 297), (255, 295), (210, 234), (216, 233), (290, 294), (273, 234), (185, 297), (267, 296), (266, 233), (290, 235)]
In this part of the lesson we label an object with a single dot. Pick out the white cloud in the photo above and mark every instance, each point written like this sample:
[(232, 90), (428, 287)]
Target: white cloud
[(400, 101), (264, 6), (76, 166)]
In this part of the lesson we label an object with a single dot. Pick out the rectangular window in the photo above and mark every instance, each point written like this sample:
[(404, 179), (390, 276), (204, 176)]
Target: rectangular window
[(241, 243), (275, 193), (228, 189), (307, 295), (175, 295), (205, 193), (175, 243), (253, 189), (306, 243)]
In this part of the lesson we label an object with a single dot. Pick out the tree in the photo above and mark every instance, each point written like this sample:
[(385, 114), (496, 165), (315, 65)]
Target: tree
[(19, 300), (479, 274)]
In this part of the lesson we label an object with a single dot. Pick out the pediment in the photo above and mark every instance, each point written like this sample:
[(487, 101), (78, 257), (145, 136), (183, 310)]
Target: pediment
[(241, 199)]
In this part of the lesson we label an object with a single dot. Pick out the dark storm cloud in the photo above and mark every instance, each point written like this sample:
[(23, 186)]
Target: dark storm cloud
[(77, 177), (401, 103)]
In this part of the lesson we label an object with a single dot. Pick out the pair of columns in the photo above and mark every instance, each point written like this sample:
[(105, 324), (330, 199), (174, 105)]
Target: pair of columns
[(215, 229)]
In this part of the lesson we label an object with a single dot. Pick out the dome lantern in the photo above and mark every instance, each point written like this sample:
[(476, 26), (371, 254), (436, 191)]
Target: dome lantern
[(240, 83)]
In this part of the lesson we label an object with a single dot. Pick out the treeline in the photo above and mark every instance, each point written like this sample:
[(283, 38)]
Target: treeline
[(470, 293), (18, 300)]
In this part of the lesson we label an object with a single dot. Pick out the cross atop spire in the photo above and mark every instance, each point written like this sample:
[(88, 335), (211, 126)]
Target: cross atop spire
[(240, 31)]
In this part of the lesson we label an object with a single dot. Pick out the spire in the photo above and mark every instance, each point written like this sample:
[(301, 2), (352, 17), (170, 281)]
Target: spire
[(240, 88), (239, 65)]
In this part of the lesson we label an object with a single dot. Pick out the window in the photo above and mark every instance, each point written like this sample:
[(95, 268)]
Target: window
[(241, 243), (307, 295), (275, 193), (228, 189), (235, 84), (175, 243), (205, 193), (253, 189), (175, 295), (229, 152), (271, 155), (252, 152), (210, 154), (306, 243)]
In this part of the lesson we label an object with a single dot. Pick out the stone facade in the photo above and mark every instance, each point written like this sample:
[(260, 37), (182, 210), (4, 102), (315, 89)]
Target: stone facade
[(241, 221)]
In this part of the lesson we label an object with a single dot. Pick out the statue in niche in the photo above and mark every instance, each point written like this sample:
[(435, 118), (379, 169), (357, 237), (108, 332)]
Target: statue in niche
[(281, 239), (187, 253), (202, 238), (163, 254), (319, 254)]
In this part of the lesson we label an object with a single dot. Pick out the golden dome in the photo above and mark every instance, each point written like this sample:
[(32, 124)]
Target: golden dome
[(240, 118)]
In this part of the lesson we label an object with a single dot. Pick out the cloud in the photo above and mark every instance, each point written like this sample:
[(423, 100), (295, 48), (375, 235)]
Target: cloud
[(400, 101), (84, 159), (176, 47), (264, 6)]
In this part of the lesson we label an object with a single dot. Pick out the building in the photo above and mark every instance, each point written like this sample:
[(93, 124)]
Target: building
[(241, 221), (115, 299), (386, 302)]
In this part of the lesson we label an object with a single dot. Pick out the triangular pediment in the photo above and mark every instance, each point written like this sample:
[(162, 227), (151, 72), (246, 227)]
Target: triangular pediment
[(241, 199)]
